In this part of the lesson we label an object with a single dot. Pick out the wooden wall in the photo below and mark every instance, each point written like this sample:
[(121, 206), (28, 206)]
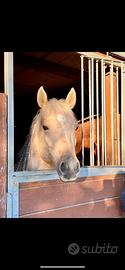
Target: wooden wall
[(95, 197), (3, 154)]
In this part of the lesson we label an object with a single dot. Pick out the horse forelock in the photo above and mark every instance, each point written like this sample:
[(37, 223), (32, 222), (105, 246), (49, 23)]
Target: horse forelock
[(56, 107)]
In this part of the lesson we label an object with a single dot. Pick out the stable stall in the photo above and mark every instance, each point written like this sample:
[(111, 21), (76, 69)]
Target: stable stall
[(99, 83)]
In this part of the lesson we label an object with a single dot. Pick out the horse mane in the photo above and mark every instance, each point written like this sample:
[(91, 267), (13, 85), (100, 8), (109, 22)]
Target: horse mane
[(22, 156)]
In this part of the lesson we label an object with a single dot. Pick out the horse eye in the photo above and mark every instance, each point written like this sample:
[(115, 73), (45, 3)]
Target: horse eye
[(77, 127), (45, 128)]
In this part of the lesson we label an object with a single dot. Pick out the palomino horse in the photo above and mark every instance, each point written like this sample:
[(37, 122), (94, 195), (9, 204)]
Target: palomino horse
[(52, 141), (86, 125)]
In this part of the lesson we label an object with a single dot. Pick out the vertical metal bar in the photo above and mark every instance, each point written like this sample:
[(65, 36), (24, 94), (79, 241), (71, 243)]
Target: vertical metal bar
[(90, 110), (124, 113), (97, 110), (92, 61), (102, 88), (105, 150), (8, 86), (112, 110), (82, 105), (9, 201), (118, 120), (15, 200)]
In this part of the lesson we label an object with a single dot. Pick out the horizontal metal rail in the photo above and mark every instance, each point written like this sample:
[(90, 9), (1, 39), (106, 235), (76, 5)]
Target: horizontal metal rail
[(87, 171)]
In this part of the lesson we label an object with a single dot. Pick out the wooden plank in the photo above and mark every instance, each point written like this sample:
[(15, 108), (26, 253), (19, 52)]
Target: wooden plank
[(118, 55), (108, 120), (3, 154), (104, 209), (47, 66), (42, 197)]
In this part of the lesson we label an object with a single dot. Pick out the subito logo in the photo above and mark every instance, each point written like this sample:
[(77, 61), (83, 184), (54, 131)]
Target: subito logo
[(73, 249)]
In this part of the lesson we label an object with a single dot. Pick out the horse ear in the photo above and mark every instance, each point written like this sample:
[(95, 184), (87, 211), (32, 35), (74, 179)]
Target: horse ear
[(41, 97), (71, 98)]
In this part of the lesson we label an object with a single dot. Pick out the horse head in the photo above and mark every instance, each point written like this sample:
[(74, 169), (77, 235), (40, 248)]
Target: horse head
[(54, 134)]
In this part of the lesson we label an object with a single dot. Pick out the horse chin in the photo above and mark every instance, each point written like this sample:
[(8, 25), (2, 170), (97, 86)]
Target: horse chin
[(64, 179)]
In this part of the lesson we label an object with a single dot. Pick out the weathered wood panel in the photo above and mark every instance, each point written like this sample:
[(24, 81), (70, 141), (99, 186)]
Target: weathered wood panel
[(3, 154), (104, 209), (41, 197)]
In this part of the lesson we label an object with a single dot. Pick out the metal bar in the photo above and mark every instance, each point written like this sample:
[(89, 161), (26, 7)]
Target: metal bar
[(112, 110), (15, 206), (118, 120), (122, 123), (102, 88), (29, 177), (124, 112), (86, 118), (82, 105), (90, 111), (105, 150), (9, 205), (8, 86), (92, 61), (97, 109)]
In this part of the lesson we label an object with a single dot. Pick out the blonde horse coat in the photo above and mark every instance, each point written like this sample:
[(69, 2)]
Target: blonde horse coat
[(52, 136)]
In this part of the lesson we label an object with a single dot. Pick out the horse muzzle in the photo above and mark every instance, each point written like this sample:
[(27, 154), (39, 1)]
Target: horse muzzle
[(68, 168)]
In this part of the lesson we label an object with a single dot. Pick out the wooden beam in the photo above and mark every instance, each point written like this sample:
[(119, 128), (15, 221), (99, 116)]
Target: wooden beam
[(99, 55), (118, 55), (46, 66)]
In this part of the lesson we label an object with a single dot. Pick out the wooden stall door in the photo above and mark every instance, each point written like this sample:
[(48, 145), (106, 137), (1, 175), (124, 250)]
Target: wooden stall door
[(96, 197), (3, 154)]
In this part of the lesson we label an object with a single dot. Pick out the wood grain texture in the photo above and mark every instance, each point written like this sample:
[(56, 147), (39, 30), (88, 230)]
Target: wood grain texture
[(41, 197), (104, 209), (108, 120)]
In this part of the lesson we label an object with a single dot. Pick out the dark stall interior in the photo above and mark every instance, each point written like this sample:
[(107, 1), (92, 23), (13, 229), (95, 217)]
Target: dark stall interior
[(57, 72)]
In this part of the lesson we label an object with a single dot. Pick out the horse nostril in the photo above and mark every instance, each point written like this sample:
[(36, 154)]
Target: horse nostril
[(62, 167)]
